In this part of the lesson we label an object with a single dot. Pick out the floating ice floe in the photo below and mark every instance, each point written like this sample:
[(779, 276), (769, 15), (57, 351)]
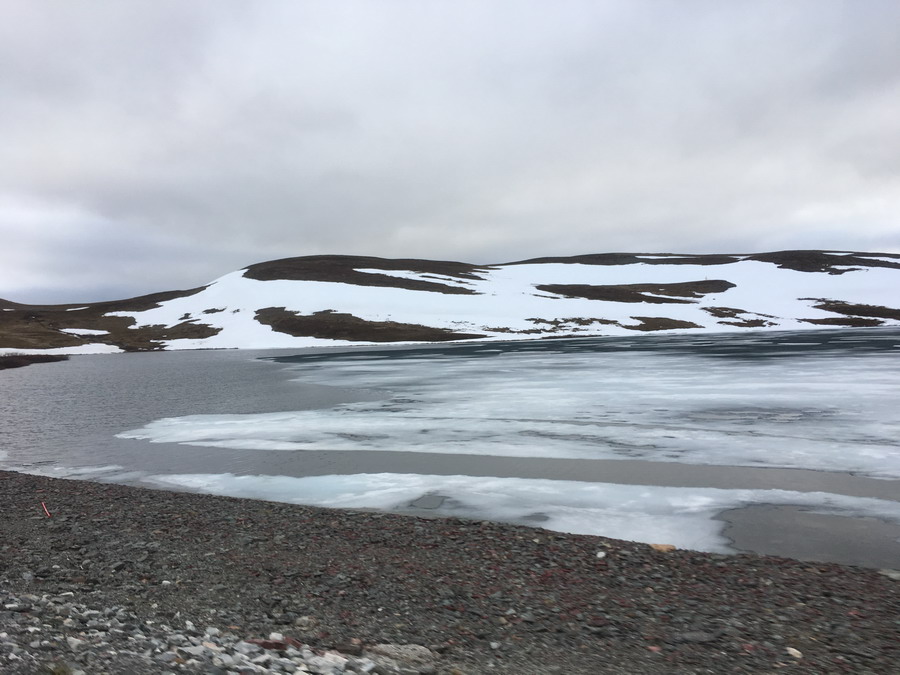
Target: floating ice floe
[(815, 412)]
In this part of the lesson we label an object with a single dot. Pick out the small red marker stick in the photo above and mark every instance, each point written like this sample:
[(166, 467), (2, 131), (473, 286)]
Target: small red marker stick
[(45, 509)]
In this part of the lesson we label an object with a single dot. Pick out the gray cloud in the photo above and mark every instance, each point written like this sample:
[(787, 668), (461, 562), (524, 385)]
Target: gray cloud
[(153, 145)]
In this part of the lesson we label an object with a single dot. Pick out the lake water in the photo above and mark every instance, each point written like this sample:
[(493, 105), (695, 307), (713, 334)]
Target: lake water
[(741, 441)]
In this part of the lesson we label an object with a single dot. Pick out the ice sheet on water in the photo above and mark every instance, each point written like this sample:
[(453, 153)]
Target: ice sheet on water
[(684, 517), (81, 472), (825, 412)]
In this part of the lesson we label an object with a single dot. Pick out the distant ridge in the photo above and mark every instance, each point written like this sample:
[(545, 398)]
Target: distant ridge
[(335, 299)]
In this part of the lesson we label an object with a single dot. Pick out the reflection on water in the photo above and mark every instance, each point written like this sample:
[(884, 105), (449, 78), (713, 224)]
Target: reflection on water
[(745, 345)]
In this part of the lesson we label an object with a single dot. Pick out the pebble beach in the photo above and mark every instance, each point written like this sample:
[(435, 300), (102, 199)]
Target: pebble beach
[(101, 578)]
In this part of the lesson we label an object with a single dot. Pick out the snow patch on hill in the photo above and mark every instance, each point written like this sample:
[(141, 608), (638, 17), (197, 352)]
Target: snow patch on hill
[(341, 300), (507, 304)]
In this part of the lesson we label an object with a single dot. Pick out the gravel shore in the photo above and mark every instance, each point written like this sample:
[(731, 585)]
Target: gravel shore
[(127, 580)]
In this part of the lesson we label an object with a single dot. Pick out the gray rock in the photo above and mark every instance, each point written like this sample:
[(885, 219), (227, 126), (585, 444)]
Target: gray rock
[(177, 639), (305, 623), (696, 636), (247, 648), (261, 660), (74, 643), (167, 657), (412, 654)]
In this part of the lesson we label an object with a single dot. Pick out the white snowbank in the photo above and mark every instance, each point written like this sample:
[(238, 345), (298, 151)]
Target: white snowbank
[(80, 349), (507, 302), (83, 331)]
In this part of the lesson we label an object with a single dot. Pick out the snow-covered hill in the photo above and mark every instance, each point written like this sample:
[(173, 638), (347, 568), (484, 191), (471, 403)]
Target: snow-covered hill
[(321, 300)]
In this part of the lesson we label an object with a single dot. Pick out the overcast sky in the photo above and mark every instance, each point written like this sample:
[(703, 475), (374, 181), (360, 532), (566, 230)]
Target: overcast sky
[(155, 145)]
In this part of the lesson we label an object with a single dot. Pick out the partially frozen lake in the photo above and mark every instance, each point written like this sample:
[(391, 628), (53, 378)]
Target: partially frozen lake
[(649, 438)]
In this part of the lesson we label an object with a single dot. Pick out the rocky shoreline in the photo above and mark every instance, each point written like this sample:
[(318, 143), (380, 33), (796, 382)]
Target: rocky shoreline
[(118, 579)]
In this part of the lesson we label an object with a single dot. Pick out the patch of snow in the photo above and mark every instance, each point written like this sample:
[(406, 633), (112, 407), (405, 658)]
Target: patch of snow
[(658, 257), (80, 349), (506, 298), (75, 309), (83, 331), (420, 276)]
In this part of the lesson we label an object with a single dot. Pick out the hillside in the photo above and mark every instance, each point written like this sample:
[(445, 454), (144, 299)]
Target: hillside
[(318, 300)]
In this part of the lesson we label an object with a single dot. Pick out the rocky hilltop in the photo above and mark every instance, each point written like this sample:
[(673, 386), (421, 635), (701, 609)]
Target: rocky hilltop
[(316, 300)]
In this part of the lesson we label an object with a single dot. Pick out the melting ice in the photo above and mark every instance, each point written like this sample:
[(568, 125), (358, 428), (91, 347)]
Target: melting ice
[(813, 412), (790, 406), (683, 517)]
